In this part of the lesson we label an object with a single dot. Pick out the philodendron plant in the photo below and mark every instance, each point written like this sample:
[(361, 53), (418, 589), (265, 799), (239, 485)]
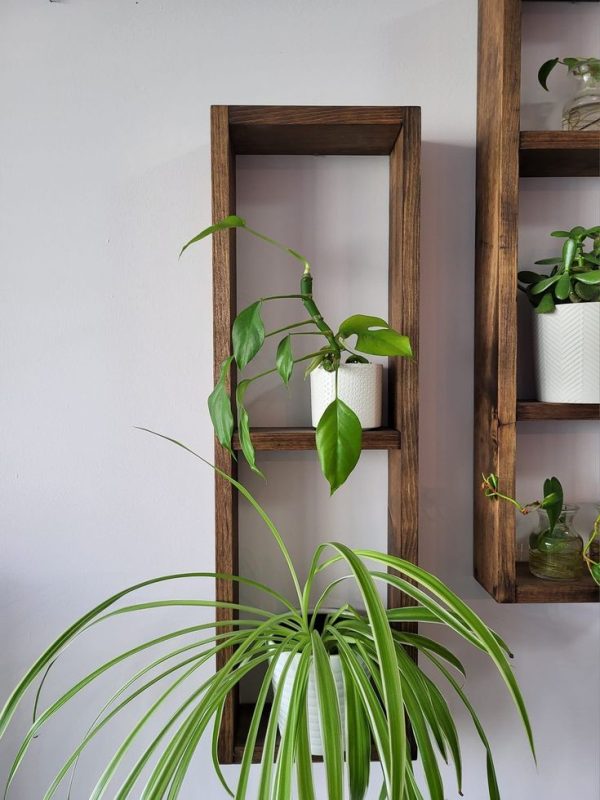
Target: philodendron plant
[(573, 277), (571, 63), (339, 433), (384, 688), (552, 503)]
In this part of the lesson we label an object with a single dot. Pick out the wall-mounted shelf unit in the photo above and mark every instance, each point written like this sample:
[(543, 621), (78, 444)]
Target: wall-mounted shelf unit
[(321, 130), (504, 154)]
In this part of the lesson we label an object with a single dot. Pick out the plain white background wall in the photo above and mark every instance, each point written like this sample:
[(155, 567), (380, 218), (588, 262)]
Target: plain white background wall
[(105, 171)]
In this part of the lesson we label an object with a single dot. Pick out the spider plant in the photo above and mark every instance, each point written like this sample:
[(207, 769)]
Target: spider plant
[(384, 687), (339, 433)]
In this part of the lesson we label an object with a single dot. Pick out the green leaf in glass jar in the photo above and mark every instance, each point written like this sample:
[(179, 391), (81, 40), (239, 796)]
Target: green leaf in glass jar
[(247, 334), (545, 70), (284, 360), (219, 408), (339, 437), (563, 287), (553, 501), (595, 571)]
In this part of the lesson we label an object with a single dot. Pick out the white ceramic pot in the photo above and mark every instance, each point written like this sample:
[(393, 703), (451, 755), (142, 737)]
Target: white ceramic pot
[(567, 353), (359, 386), (314, 727)]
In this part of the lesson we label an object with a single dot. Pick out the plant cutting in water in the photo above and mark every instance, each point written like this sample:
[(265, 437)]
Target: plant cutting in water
[(574, 276), (571, 63), (339, 433), (383, 686), (552, 504)]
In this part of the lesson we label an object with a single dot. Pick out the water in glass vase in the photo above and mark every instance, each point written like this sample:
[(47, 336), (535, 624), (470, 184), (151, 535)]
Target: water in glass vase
[(556, 556), (582, 113)]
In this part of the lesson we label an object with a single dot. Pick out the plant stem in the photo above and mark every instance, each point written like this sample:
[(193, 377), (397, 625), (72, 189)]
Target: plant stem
[(289, 327), (317, 317), (295, 361)]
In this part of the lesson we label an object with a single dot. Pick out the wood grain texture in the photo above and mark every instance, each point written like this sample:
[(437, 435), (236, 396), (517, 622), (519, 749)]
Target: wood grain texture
[(315, 130), (535, 590), (559, 154), (290, 439), (224, 309), (533, 410), (403, 314), (497, 184)]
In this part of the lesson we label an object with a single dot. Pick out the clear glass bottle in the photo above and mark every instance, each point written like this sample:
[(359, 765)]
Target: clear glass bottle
[(582, 113), (594, 551), (557, 556)]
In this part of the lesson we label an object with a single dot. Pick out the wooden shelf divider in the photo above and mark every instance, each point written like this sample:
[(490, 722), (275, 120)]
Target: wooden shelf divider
[(504, 153), (321, 130)]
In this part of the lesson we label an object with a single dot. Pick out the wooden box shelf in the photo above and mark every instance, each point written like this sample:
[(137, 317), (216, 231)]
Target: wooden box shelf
[(504, 154), (321, 130)]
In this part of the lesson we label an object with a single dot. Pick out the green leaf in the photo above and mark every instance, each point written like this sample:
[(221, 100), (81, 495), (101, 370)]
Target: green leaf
[(530, 277), (339, 438), (563, 287), (554, 260), (358, 739), (219, 408), (284, 360), (553, 500), (592, 277), (244, 428), (545, 305), (595, 571), (568, 253), (587, 292), (247, 334), (540, 287), (374, 336), (560, 234), (329, 719), (545, 70), (231, 221)]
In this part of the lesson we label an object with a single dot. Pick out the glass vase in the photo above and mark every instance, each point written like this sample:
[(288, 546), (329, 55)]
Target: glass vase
[(556, 556), (582, 112), (594, 551)]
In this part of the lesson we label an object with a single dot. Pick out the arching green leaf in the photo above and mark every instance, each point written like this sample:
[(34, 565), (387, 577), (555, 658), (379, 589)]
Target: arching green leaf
[(219, 408), (339, 438), (247, 334), (284, 360)]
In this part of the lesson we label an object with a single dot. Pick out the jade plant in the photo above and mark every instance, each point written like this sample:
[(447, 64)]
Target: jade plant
[(339, 433), (574, 275), (571, 63), (552, 503), (384, 687)]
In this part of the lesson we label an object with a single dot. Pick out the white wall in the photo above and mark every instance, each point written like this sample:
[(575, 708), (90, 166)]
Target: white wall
[(105, 171)]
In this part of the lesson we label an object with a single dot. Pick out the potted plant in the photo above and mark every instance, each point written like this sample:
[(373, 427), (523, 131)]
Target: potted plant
[(566, 301), (582, 112), (346, 397), (383, 687), (556, 551)]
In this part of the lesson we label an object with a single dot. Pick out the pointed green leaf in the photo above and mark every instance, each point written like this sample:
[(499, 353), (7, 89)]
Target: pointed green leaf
[(231, 221), (247, 334), (545, 71), (244, 428), (553, 500), (219, 408), (339, 437), (374, 336), (284, 360)]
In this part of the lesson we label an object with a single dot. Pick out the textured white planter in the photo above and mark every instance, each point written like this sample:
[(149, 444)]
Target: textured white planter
[(359, 386), (314, 727), (567, 354)]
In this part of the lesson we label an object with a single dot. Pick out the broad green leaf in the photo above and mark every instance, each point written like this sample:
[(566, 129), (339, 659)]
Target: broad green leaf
[(374, 336), (339, 438), (587, 292), (568, 253), (244, 428), (545, 305), (231, 221), (553, 500), (592, 277), (219, 408), (284, 360), (544, 72), (530, 277), (247, 334), (540, 287), (563, 287)]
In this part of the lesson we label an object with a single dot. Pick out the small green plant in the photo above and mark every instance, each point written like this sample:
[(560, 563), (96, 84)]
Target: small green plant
[(574, 276), (552, 502), (384, 687), (339, 433), (572, 63)]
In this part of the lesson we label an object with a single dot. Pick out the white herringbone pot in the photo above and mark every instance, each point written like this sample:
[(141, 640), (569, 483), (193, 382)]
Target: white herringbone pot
[(567, 354), (359, 386), (314, 727)]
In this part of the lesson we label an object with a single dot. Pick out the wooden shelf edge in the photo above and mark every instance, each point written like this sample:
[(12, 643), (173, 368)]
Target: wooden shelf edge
[(535, 410), (559, 154), (291, 439), (536, 590)]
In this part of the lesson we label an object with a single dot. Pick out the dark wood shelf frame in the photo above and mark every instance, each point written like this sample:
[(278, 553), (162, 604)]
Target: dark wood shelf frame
[(322, 130), (503, 154), (535, 590), (559, 154)]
